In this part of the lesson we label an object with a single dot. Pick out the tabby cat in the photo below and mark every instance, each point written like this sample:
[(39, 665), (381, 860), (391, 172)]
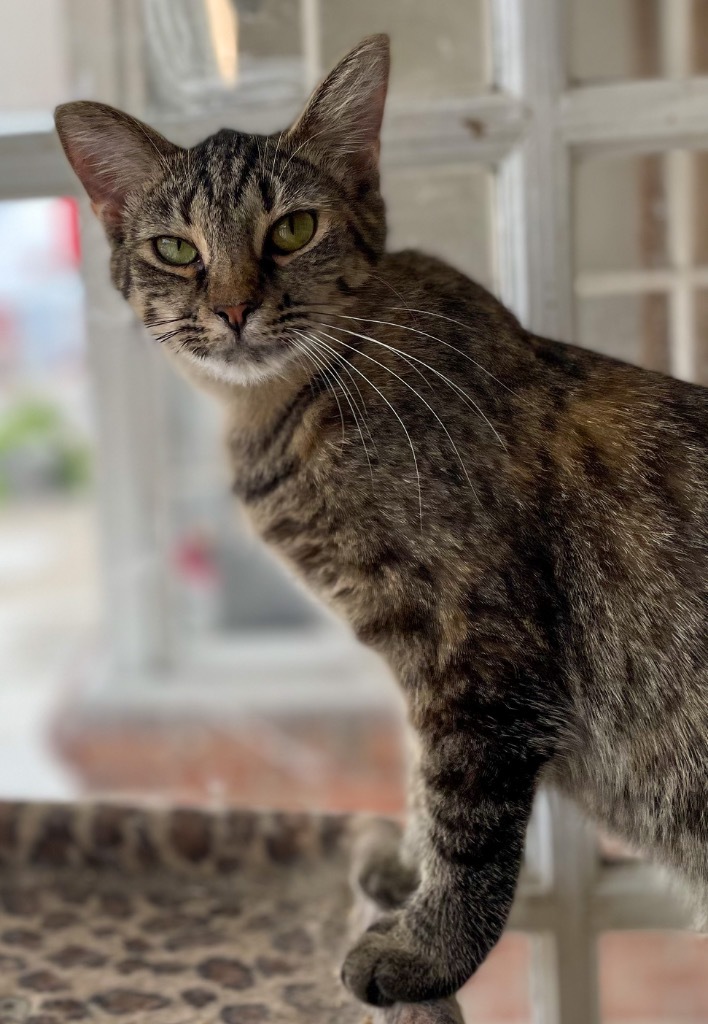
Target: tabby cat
[(519, 526)]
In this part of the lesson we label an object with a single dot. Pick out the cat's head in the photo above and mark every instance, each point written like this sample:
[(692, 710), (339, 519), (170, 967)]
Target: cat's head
[(229, 248)]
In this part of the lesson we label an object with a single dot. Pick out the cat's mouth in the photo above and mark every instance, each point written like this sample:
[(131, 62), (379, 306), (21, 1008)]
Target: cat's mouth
[(250, 356)]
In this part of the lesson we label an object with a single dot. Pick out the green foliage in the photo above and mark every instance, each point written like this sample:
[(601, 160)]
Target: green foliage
[(34, 427)]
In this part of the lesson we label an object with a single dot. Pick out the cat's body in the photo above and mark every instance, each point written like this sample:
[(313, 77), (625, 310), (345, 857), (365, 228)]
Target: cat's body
[(520, 527), (576, 562)]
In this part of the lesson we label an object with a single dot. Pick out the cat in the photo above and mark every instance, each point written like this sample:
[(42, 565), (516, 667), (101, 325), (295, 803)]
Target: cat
[(518, 525)]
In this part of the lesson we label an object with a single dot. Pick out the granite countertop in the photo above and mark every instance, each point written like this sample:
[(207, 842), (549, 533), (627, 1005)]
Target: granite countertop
[(180, 916)]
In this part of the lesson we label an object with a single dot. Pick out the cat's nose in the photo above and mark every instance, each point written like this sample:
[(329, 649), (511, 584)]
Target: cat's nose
[(234, 316)]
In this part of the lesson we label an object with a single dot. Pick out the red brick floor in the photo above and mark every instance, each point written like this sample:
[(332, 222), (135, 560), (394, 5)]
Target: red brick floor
[(355, 764), (297, 763)]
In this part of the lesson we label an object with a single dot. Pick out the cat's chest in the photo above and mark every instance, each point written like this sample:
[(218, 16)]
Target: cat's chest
[(355, 563), (314, 544)]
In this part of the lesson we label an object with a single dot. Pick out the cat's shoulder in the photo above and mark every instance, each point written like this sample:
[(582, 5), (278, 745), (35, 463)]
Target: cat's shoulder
[(437, 285)]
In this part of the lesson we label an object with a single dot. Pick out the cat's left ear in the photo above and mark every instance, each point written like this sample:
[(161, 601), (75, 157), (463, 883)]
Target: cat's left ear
[(113, 154), (343, 116)]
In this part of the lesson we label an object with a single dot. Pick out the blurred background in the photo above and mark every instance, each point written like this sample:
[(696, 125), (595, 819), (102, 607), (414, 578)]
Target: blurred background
[(149, 649)]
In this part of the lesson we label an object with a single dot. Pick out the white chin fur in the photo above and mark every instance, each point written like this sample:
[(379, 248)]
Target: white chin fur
[(228, 373)]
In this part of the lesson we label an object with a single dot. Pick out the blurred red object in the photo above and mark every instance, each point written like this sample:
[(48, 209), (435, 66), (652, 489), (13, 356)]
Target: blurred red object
[(67, 234)]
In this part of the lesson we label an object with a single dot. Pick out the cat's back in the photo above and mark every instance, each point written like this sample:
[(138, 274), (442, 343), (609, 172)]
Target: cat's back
[(572, 403), (608, 460)]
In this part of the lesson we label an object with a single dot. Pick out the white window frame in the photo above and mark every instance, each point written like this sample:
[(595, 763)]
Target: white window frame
[(529, 133)]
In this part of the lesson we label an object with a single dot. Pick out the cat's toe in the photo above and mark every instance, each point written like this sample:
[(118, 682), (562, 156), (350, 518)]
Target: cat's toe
[(379, 870), (386, 880), (385, 967)]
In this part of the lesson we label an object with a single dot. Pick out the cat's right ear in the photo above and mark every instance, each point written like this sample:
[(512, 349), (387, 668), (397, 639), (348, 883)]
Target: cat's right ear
[(112, 153), (343, 116)]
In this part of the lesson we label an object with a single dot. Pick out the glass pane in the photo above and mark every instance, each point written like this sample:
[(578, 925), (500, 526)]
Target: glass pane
[(198, 53), (701, 315), (33, 63), (224, 581), (653, 977), (614, 39), (612, 850), (445, 211), (49, 602), (699, 37), (620, 213), (698, 226), (439, 49), (500, 990), (633, 328)]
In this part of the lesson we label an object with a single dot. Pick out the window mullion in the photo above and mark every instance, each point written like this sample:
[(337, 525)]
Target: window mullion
[(126, 383), (676, 38), (534, 246)]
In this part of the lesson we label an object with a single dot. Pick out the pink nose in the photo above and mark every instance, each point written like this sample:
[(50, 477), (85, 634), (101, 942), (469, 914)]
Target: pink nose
[(234, 316)]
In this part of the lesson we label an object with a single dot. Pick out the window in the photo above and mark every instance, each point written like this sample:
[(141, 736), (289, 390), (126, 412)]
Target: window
[(554, 149)]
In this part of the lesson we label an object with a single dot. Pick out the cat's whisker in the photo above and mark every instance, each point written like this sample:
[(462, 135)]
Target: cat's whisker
[(174, 333), (405, 355), (275, 154), (391, 288), (298, 356), (451, 383), (425, 334), (162, 159), (344, 365), (324, 371), (348, 396), (260, 155), (418, 395), (161, 323), (395, 413), (302, 145), (467, 327), (347, 368)]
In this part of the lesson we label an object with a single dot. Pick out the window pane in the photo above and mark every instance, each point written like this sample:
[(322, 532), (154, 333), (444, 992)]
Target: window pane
[(48, 573), (639, 234), (610, 40), (612, 850), (445, 211), (225, 582), (699, 37), (633, 328), (440, 49), (33, 63), (698, 226), (701, 316), (614, 39), (653, 977), (207, 54), (500, 990), (620, 213)]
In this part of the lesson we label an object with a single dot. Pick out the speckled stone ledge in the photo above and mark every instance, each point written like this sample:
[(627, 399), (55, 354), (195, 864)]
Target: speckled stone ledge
[(178, 917)]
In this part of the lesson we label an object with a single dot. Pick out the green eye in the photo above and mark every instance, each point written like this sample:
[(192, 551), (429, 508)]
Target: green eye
[(175, 251), (293, 231)]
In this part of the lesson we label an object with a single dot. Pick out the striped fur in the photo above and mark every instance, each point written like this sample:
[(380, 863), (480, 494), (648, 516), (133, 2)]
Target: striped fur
[(520, 527)]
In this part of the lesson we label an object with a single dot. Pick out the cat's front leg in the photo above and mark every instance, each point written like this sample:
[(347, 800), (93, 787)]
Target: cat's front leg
[(387, 866), (478, 799)]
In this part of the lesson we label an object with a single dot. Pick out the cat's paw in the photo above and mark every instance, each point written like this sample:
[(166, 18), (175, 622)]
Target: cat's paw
[(387, 966), (385, 879)]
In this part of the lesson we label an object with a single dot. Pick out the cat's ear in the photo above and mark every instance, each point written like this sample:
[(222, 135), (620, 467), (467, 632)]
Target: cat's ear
[(112, 154), (343, 116)]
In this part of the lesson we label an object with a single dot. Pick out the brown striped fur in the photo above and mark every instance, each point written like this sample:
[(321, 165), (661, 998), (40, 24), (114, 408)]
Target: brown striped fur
[(519, 526)]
